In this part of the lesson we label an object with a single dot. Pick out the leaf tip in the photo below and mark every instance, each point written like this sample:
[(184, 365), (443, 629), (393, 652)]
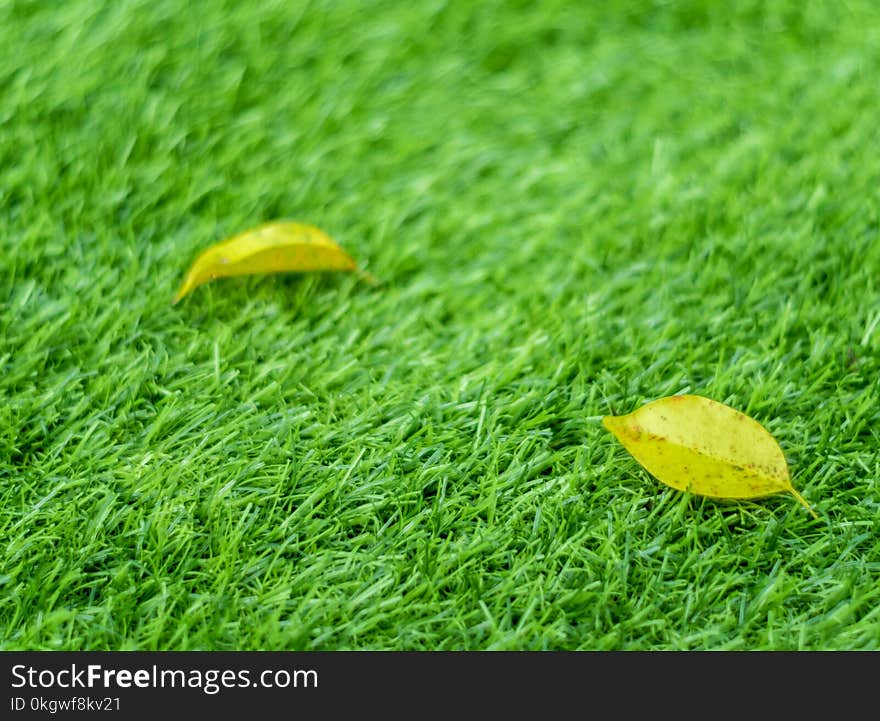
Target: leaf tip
[(181, 292), (367, 277), (804, 503), (613, 424)]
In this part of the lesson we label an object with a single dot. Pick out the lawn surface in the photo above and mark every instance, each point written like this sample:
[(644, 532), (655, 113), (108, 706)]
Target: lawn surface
[(574, 209)]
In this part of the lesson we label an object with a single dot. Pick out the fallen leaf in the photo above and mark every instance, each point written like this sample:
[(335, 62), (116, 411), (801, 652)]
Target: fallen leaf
[(276, 247), (701, 446)]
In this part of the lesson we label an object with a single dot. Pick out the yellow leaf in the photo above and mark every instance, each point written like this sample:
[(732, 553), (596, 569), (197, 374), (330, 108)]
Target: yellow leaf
[(701, 446), (275, 247)]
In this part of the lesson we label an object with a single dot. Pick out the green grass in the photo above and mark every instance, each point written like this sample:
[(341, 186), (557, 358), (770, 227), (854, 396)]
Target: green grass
[(574, 209)]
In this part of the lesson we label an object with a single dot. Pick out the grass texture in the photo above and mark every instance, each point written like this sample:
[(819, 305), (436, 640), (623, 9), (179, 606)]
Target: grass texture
[(574, 209)]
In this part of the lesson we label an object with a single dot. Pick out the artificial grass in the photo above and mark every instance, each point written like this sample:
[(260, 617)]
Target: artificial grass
[(574, 210)]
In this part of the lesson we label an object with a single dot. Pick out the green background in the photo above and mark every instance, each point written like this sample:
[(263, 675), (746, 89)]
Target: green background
[(574, 209)]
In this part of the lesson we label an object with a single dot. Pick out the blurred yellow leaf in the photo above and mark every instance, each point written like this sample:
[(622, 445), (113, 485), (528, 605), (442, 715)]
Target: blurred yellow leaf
[(276, 247), (701, 446)]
